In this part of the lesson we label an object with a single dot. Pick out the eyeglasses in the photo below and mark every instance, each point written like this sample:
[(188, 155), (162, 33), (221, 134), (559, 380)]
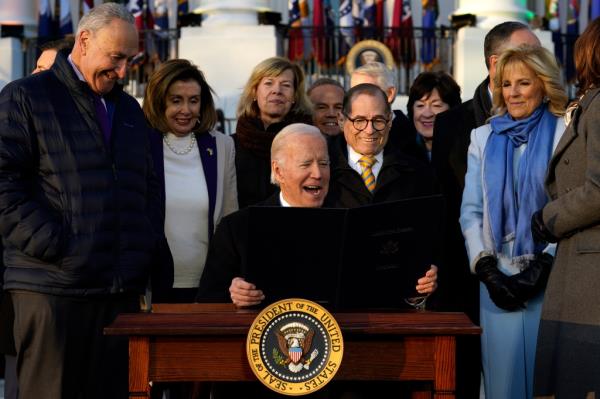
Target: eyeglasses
[(361, 123)]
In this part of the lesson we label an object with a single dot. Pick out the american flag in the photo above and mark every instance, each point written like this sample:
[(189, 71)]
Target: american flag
[(346, 29), (46, 22), (401, 39), (65, 26), (144, 22), (430, 15), (298, 47)]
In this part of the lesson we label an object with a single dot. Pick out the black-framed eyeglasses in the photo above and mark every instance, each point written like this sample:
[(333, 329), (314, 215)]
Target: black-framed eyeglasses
[(379, 123)]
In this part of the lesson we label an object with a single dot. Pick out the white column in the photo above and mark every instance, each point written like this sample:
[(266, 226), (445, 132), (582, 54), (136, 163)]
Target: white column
[(492, 12), (15, 12), (20, 12), (228, 46), (469, 63), (11, 60), (230, 12)]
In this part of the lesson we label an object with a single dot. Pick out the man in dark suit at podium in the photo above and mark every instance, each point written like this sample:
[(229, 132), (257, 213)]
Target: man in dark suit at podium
[(300, 167)]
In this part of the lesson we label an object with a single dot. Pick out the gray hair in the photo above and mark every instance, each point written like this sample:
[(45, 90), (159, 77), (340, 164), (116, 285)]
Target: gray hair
[(285, 137), (384, 76), (102, 15)]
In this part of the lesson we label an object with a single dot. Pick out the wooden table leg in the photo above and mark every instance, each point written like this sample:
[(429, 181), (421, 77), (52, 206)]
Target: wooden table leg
[(421, 392), (444, 385), (139, 364)]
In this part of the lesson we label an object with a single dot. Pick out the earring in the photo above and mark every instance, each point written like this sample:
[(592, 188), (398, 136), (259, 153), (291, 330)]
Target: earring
[(546, 99)]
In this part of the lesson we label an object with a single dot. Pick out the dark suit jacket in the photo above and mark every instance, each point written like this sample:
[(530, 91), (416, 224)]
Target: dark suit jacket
[(451, 139), (452, 136), (400, 177), (399, 131), (227, 254)]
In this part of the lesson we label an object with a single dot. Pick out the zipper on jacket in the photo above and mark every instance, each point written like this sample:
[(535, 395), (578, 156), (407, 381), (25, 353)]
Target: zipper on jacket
[(117, 279)]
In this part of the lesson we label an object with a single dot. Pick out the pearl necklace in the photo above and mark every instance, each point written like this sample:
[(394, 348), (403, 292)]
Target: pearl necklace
[(184, 151)]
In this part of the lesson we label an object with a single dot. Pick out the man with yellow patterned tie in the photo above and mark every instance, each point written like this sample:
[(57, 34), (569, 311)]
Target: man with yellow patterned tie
[(363, 169)]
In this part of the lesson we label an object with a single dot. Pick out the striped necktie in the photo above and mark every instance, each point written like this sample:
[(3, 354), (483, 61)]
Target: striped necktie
[(366, 162)]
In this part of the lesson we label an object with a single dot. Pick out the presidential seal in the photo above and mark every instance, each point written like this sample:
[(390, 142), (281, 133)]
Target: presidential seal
[(294, 347), (367, 51)]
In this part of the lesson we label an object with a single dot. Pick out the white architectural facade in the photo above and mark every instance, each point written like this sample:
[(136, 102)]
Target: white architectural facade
[(469, 63), (230, 42)]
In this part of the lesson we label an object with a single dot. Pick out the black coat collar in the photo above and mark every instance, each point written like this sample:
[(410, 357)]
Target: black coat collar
[(393, 167)]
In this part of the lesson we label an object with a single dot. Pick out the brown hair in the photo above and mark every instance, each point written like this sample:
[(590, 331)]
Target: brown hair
[(587, 57), (273, 66), (543, 64), (498, 37), (426, 82), (158, 86)]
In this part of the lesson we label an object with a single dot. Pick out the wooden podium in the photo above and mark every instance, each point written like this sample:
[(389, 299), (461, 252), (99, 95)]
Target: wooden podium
[(207, 342)]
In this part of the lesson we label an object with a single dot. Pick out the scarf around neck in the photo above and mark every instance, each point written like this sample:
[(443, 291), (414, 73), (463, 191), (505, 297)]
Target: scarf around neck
[(511, 204), (253, 136)]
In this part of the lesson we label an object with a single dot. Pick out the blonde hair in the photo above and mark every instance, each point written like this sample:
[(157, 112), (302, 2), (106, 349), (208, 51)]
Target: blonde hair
[(543, 64), (273, 67)]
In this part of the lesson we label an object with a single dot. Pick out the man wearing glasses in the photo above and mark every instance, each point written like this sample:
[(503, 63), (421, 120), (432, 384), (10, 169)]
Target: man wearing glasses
[(363, 169)]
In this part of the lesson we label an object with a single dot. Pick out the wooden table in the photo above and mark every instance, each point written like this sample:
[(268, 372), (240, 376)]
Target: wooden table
[(207, 342)]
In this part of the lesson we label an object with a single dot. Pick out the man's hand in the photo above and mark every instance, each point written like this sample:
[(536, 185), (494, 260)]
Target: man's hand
[(428, 283), (244, 293)]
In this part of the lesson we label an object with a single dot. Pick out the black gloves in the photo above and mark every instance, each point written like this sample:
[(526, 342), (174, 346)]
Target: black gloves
[(539, 230), (532, 280), (498, 284)]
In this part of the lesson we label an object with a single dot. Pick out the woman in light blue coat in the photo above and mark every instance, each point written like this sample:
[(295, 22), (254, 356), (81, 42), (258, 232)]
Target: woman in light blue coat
[(504, 186)]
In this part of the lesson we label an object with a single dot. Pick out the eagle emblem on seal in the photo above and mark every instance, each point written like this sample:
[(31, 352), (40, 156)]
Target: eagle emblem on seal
[(295, 341)]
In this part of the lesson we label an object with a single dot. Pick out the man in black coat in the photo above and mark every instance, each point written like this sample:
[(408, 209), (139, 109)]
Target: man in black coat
[(300, 167), (78, 212), (451, 132), (366, 122)]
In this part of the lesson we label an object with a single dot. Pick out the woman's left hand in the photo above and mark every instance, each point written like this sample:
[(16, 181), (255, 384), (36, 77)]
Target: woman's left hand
[(428, 283)]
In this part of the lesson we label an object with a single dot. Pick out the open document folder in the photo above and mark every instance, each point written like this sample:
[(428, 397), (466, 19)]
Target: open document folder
[(366, 257)]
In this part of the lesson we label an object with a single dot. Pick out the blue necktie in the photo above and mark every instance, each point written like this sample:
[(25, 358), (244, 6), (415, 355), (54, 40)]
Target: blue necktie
[(103, 118)]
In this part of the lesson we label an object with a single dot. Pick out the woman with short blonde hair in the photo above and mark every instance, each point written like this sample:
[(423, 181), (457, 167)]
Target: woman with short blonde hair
[(543, 63), (273, 98), (504, 186)]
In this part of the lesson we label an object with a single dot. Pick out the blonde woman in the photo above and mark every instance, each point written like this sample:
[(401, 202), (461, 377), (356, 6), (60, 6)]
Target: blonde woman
[(273, 98), (504, 186)]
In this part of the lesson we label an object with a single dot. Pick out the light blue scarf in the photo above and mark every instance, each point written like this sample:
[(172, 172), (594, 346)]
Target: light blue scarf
[(510, 207)]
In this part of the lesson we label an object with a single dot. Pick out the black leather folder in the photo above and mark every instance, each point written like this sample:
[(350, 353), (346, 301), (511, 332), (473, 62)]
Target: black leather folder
[(366, 257)]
